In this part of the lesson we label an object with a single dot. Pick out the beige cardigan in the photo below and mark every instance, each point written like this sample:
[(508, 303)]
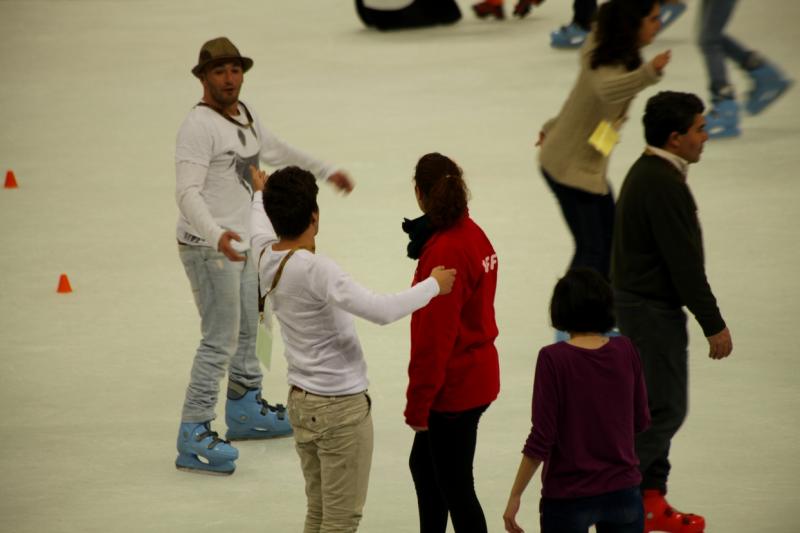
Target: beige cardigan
[(602, 93)]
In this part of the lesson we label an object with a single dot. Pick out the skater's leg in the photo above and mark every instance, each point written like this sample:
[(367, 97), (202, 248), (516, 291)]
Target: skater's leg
[(431, 504), (244, 368), (303, 420), (583, 12), (334, 436), (659, 333), (714, 16), (215, 284), (590, 218), (247, 415), (453, 439)]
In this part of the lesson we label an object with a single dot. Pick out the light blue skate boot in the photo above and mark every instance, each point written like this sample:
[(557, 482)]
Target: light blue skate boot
[(769, 83), (723, 120), (670, 11), (251, 417), (201, 450), (564, 336), (572, 36)]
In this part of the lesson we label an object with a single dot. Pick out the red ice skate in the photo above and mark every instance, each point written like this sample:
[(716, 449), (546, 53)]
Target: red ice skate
[(523, 7), (489, 8), (660, 516)]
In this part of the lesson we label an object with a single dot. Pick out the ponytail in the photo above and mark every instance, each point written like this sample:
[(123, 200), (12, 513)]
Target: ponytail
[(443, 192)]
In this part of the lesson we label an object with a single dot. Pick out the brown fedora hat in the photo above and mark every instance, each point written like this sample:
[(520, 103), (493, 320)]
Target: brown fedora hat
[(217, 49)]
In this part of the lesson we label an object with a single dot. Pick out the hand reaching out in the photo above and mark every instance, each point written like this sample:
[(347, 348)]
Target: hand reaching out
[(342, 181), (661, 61)]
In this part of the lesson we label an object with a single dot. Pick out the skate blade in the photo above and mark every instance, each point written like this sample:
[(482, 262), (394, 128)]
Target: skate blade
[(187, 463), (204, 471), (266, 435)]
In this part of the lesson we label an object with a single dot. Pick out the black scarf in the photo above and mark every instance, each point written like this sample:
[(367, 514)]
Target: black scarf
[(419, 231)]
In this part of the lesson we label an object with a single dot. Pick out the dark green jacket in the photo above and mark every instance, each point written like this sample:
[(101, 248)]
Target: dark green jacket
[(657, 252)]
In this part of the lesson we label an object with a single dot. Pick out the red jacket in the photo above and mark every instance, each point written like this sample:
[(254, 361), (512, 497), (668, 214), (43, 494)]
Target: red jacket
[(454, 364)]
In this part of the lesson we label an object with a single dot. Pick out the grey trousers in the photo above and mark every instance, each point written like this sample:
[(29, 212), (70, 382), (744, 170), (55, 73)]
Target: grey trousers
[(659, 333), (226, 294)]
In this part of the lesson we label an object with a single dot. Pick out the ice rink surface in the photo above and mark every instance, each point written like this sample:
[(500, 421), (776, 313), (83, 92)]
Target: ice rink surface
[(91, 383)]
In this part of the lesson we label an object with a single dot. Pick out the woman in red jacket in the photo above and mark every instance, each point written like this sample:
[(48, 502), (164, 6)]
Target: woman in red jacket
[(454, 372)]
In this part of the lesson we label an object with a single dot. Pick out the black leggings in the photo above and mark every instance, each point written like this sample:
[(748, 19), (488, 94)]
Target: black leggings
[(583, 13), (590, 218), (441, 465)]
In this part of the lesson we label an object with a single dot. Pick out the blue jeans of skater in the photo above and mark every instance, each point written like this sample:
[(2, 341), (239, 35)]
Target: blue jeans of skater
[(441, 465), (590, 218), (658, 330), (226, 294), (717, 46), (620, 511)]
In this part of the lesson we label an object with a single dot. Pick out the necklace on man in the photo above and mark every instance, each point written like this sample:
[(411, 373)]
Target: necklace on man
[(229, 118)]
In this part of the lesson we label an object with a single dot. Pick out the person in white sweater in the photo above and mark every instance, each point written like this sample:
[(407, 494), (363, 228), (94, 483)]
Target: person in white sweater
[(314, 301), (217, 142)]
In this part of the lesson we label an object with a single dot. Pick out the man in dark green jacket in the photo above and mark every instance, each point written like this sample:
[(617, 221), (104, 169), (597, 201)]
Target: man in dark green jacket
[(657, 268)]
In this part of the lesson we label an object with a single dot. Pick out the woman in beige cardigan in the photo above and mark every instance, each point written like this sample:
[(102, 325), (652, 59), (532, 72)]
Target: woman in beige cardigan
[(612, 73)]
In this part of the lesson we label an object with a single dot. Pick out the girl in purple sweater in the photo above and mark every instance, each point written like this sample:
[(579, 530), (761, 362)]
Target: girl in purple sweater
[(589, 400)]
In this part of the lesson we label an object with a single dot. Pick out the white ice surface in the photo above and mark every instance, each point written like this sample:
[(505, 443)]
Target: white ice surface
[(91, 383)]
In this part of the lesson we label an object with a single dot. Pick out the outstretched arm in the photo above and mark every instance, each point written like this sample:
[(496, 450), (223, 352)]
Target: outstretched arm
[(337, 286), (278, 153)]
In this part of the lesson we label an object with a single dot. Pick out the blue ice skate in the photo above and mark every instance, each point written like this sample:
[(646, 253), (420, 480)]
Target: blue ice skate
[(251, 417), (201, 450), (723, 120), (670, 12), (572, 36), (561, 336), (768, 84)]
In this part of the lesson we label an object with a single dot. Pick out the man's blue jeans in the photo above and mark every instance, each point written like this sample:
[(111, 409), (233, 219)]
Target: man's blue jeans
[(717, 46), (226, 294)]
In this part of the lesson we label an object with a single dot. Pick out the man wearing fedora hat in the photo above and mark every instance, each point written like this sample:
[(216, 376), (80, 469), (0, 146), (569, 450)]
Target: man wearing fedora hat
[(217, 142)]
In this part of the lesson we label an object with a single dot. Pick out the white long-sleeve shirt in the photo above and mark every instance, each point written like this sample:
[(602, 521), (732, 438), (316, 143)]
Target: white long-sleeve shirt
[(213, 184), (314, 302)]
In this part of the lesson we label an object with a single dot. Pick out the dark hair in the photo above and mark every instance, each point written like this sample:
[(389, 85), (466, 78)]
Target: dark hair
[(668, 112), (618, 23), (290, 198), (442, 189), (582, 302)]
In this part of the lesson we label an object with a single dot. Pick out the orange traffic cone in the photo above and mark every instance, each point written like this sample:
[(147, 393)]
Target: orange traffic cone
[(11, 180), (63, 284)]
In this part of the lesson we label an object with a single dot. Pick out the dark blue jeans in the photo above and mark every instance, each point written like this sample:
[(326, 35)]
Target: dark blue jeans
[(590, 218), (613, 512)]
